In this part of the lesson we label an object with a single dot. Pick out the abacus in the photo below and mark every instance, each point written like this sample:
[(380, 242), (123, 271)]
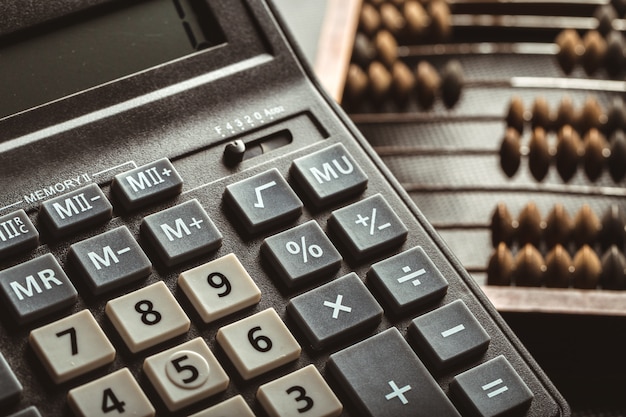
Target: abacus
[(475, 104)]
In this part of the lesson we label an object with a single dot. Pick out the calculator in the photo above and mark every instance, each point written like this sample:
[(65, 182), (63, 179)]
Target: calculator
[(189, 226)]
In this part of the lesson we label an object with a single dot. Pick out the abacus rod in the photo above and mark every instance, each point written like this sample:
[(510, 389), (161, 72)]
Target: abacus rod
[(479, 48)]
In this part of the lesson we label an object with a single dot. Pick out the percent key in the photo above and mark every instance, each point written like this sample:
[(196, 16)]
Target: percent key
[(301, 254)]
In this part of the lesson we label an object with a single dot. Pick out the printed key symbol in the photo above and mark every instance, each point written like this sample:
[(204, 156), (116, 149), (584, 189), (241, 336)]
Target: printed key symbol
[(363, 220), (411, 275), (294, 248)]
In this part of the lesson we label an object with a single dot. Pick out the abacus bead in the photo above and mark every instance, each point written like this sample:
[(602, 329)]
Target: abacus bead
[(427, 84), (502, 226), (500, 266), (364, 51), (529, 225), (605, 15), (590, 115), (558, 226), (617, 159), (596, 150), (586, 226), (356, 82), (392, 19), (614, 58), (539, 157), (616, 116), (566, 114), (595, 51), (380, 80), (587, 269), (510, 154), (558, 268), (452, 83), (387, 47), (440, 24), (417, 20), (403, 81), (568, 151), (613, 269), (613, 230), (540, 113), (529, 267), (369, 19), (620, 6), (515, 114), (570, 48)]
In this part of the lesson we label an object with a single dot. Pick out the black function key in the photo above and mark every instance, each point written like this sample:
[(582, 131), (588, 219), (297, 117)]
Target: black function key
[(10, 387), (263, 201), (329, 175), (385, 378), (147, 184), (449, 334), (368, 227), (77, 210), (17, 233), (110, 260), (36, 288), (335, 311), (301, 254), (407, 280), (181, 232), (492, 389)]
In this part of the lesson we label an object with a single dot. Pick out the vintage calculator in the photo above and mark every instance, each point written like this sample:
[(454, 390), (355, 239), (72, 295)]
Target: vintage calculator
[(190, 226)]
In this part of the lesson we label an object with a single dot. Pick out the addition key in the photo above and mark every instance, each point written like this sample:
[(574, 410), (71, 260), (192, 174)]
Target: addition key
[(383, 377)]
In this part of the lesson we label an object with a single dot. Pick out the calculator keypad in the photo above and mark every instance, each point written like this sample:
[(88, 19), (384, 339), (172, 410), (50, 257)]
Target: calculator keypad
[(116, 393), (72, 346), (10, 387), (368, 227), (263, 201), (219, 288), (147, 317), (185, 374), (301, 254), (335, 311), (182, 232), (338, 317), (258, 343), (36, 288), (110, 260), (17, 233)]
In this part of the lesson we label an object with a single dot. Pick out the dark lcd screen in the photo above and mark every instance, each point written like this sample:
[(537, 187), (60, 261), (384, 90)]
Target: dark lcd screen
[(98, 45)]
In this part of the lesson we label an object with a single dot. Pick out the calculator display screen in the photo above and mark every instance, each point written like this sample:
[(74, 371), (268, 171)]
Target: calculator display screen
[(94, 46)]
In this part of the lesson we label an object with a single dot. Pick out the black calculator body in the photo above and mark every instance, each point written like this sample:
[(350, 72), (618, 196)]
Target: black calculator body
[(159, 159)]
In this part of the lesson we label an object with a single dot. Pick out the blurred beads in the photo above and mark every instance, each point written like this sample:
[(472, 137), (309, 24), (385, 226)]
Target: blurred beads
[(515, 114), (501, 266), (586, 226), (451, 83), (502, 226), (595, 152), (558, 268), (558, 226), (427, 84), (529, 267), (587, 269), (539, 157), (613, 275), (617, 159), (570, 49), (568, 150), (529, 225), (510, 155)]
